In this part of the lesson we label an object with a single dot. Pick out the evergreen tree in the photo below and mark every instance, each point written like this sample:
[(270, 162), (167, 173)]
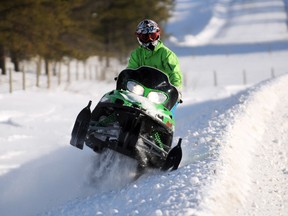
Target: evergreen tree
[(34, 27), (75, 28)]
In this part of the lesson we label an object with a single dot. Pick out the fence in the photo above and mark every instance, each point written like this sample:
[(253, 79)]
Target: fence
[(65, 74), (220, 78), (59, 74), (244, 77)]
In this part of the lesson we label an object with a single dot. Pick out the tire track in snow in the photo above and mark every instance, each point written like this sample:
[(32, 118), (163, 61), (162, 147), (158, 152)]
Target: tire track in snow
[(251, 168)]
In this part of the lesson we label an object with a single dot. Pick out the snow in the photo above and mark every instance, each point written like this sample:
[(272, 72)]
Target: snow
[(235, 134)]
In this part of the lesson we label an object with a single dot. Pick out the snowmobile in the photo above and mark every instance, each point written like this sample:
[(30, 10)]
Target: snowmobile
[(135, 119)]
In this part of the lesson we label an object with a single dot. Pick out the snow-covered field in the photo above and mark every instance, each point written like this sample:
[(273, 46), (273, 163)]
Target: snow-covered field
[(235, 136)]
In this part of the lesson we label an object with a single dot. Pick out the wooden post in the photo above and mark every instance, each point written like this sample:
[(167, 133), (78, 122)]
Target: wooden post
[(10, 81), (244, 77), (272, 73), (37, 76), (90, 72), (68, 72), (215, 78), (77, 70), (185, 80), (96, 72), (59, 73), (38, 71), (85, 71), (47, 65), (23, 79)]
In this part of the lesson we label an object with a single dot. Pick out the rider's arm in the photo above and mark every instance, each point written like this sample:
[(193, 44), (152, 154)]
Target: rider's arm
[(172, 68), (133, 61)]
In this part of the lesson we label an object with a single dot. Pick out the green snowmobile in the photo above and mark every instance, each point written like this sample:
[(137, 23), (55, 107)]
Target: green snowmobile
[(135, 119)]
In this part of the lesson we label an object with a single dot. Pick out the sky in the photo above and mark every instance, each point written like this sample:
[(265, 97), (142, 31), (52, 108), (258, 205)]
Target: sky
[(234, 131)]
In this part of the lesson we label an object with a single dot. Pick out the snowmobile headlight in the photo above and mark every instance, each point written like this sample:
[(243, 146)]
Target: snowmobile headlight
[(157, 97), (135, 88)]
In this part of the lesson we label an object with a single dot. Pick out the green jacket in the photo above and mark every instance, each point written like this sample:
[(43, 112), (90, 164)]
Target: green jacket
[(161, 58)]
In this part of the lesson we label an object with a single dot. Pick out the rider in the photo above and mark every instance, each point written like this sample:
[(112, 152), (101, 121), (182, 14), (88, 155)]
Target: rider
[(152, 52)]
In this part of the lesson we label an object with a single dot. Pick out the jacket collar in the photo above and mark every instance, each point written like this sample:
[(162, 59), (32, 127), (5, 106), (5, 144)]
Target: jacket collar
[(158, 46)]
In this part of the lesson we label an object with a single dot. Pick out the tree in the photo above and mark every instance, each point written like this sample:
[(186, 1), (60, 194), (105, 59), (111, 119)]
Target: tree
[(75, 28), (12, 28), (35, 27), (2, 59)]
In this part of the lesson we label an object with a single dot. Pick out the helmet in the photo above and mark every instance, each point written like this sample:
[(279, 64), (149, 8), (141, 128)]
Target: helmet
[(148, 33)]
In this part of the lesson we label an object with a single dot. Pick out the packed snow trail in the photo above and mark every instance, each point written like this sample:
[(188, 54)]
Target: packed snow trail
[(220, 20), (238, 166), (252, 169), (225, 143)]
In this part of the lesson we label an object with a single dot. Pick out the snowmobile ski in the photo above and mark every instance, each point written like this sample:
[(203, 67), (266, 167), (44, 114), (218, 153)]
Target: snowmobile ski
[(174, 157), (81, 127)]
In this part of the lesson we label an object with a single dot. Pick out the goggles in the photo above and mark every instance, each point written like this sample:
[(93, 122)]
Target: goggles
[(150, 37)]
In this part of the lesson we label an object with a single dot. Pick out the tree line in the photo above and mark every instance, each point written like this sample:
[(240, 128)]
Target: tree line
[(53, 29)]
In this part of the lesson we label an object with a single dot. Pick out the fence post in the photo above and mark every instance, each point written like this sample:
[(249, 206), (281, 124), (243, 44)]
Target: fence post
[(90, 72), (59, 74), (38, 68), (47, 65), (272, 73), (244, 77), (23, 78), (77, 70), (68, 72), (215, 78), (10, 81), (85, 71), (96, 72), (185, 80)]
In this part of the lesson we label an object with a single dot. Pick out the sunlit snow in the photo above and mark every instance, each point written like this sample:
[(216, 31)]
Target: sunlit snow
[(235, 131)]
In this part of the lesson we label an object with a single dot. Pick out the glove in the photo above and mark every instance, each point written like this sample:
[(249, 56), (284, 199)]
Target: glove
[(179, 95)]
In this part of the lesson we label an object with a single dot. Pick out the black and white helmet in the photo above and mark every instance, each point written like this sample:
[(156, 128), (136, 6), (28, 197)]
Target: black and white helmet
[(148, 33)]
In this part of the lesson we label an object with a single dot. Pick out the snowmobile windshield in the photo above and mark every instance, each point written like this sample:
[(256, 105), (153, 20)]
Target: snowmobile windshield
[(135, 80)]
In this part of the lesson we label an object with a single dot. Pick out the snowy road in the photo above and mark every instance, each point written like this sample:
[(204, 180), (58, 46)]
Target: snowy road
[(252, 173), (235, 140), (234, 162)]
